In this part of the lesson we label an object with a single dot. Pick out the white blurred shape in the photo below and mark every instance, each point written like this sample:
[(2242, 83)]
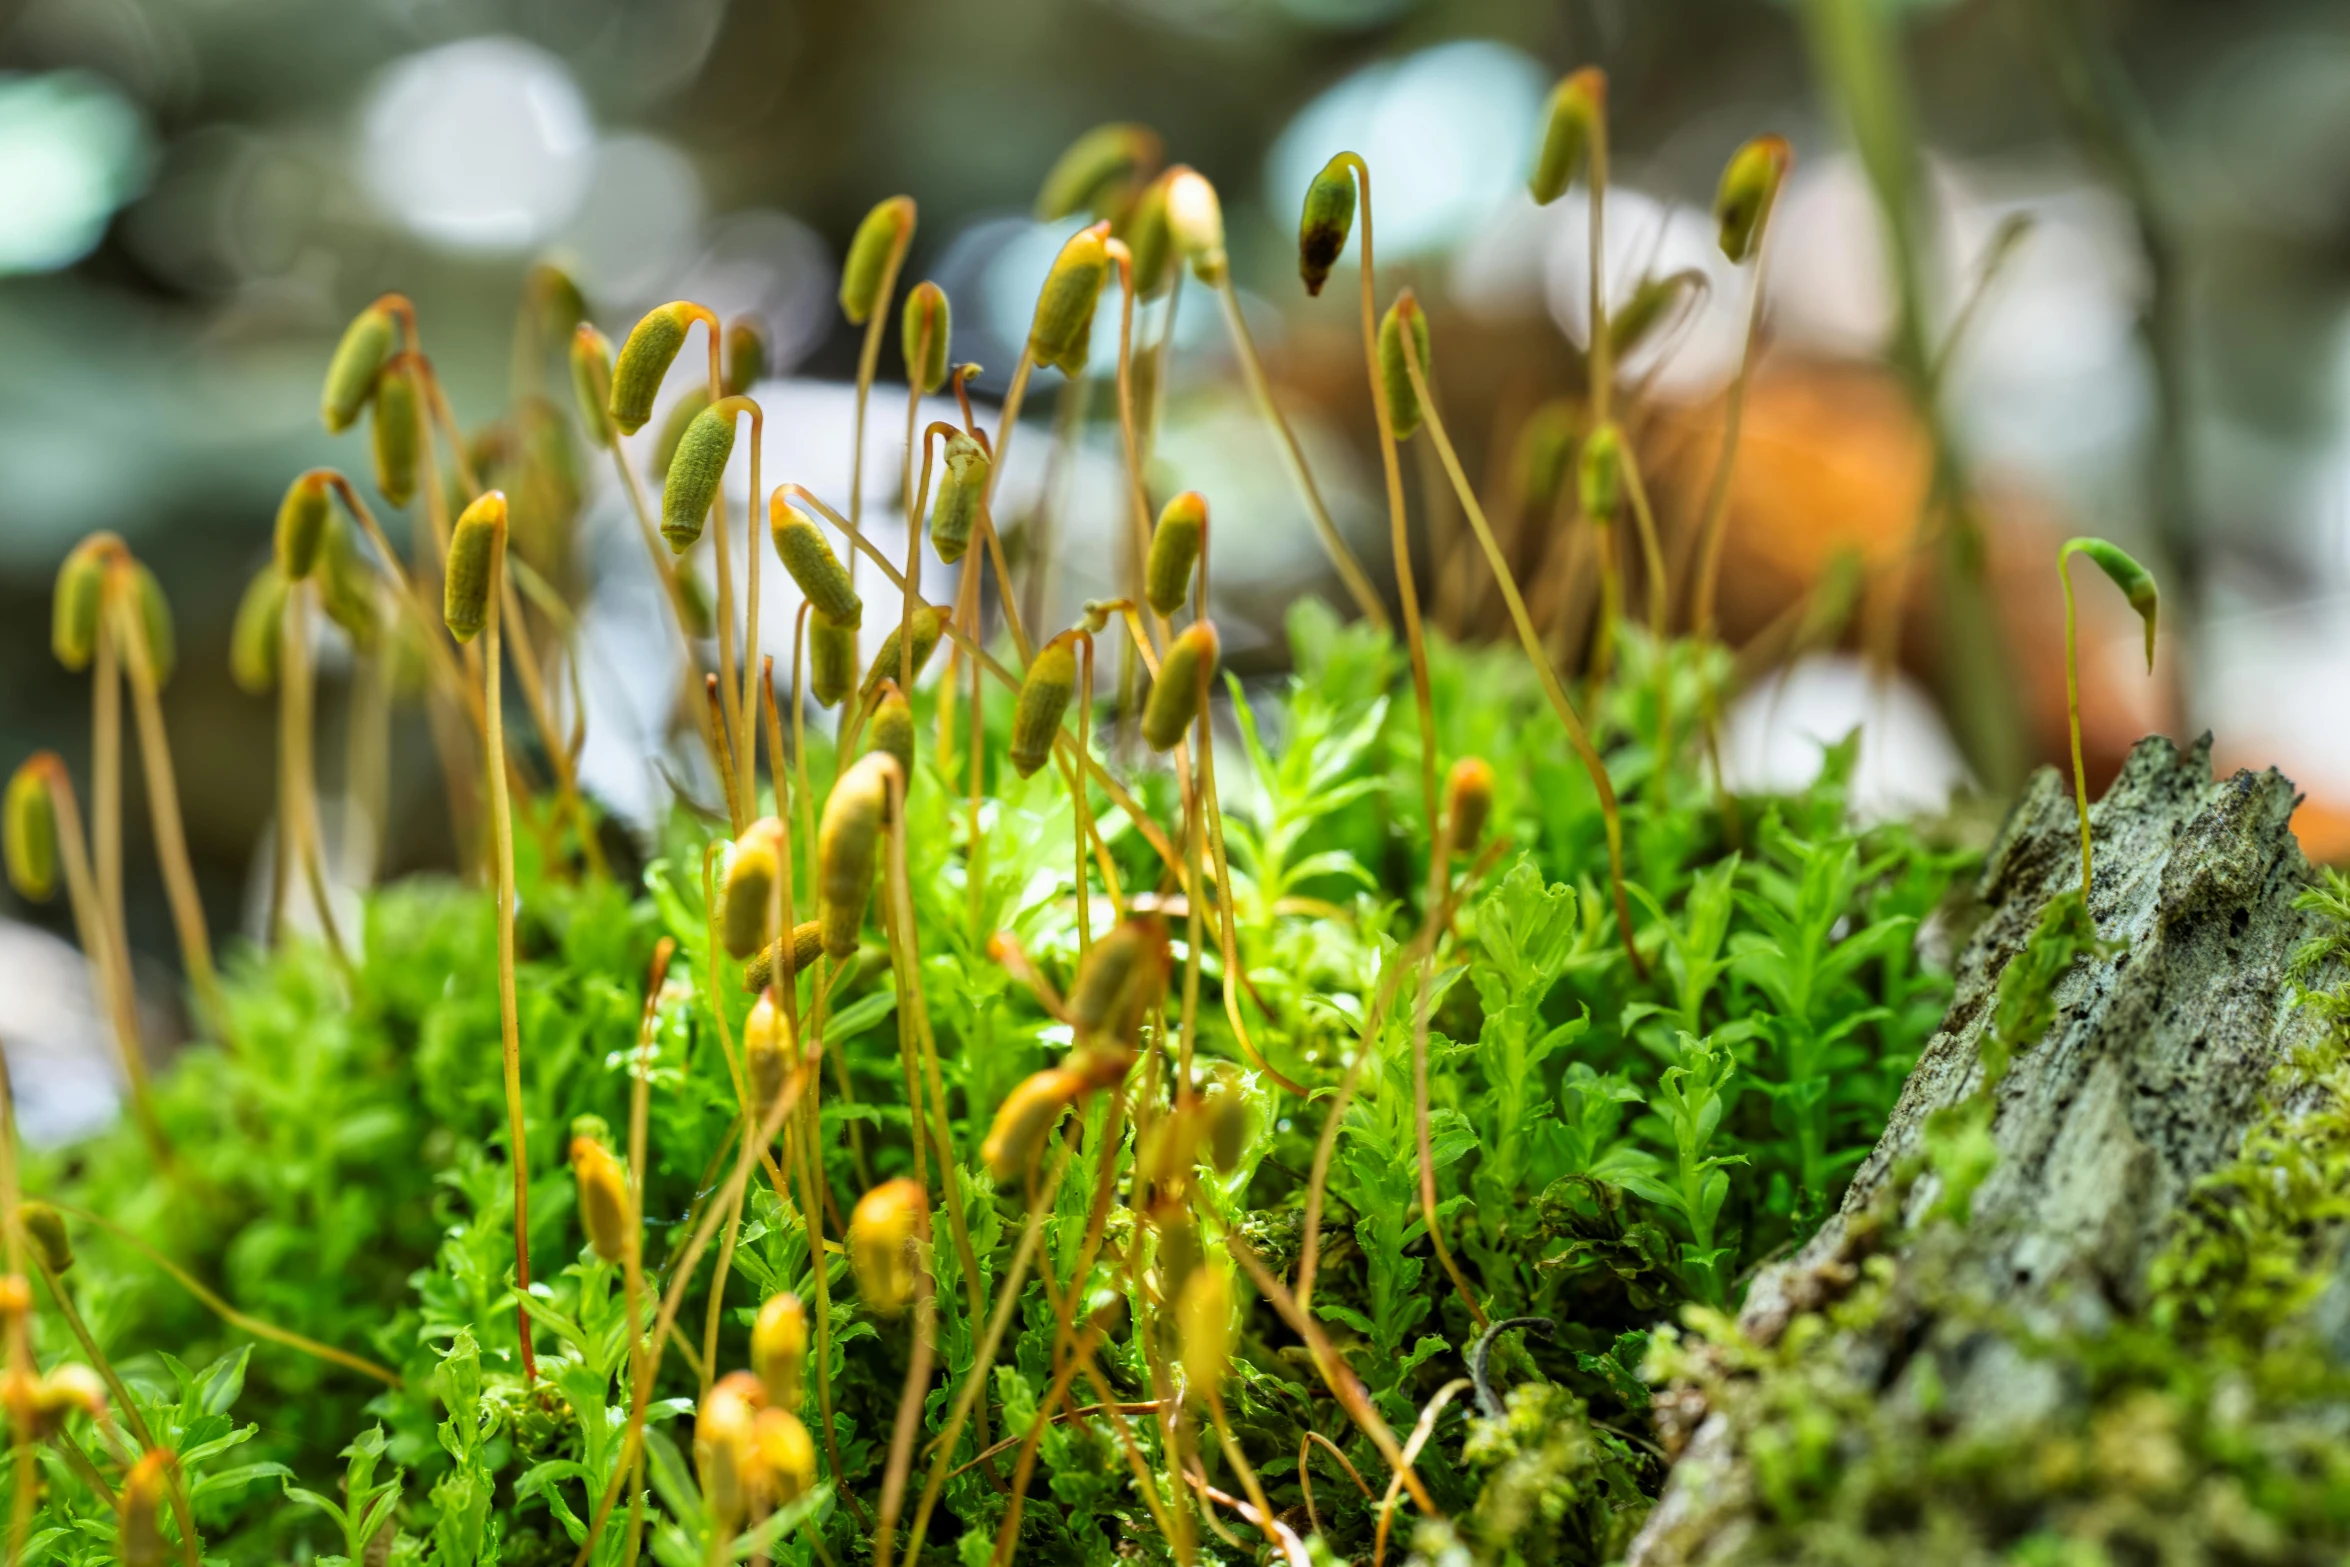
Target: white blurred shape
[(1448, 133), (638, 222), (71, 151), (61, 1054), (1692, 349), (485, 144), (1907, 765), (774, 269)]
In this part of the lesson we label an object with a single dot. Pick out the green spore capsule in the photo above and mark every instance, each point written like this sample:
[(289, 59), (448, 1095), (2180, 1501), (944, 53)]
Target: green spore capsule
[(832, 659), (1175, 697), (1095, 170), (591, 381), (255, 634), (807, 940), (1195, 223), (2135, 581), (892, 729), (1117, 979), (1327, 221), (744, 360), (1546, 454), (397, 430), (1062, 333), (877, 239), (1045, 691), (30, 835), (44, 1230), (694, 475), (1403, 403), (924, 328), (644, 359), (158, 639), (1654, 301), (929, 625), (954, 515), (817, 571), (682, 413), (76, 601), (1749, 189), (749, 903), (1024, 1119), (301, 524), (847, 847), (560, 304), (351, 374), (1148, 240), (1175, 547), (346, 582), (1600, 476), (474, 546), (1568, 127)]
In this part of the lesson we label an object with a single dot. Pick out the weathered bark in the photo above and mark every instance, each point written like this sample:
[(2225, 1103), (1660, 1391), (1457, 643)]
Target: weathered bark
[(2147, 1080)]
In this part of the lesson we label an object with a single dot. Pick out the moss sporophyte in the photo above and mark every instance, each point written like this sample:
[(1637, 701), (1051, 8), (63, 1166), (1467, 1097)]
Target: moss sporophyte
[(978, 1132)]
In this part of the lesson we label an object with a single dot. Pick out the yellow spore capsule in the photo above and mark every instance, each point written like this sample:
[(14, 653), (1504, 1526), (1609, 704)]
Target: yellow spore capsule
[(1175, 697), (1600, 474), (644, 359), (29, 831), (1195, 222), (475, 545), (779, 1348), (1024, 1119), (1326, 223), (1468, 801), (347, 585), (1654, 301), (591, 381), (954, 515), (807, 941), (301, 524), (1121, 973), (862, 274), (923, 331), (786, 1457), (817, 571), (1062, 332), (44, 1231), (767, 1053), (882, 1230), (694, 476), (1203, 1325), (1403, 403), (929, 625), (1749, 189), (1228, 1125), (158, 642), (743, 363), (726, 1446), (848, 840), (748, 915), (1045, 691), (397, 431), (254, 636), (138, 1525), (1175, 547), (1149, 241), (44, 1404), (1096, 169), (891, 730), (832, 659), (682, 413), (1576, 106), (604, 1209), (75, 603), (351, 374)]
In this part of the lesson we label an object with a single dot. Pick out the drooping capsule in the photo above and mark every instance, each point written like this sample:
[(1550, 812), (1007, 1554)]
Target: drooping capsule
[(1062, 331), (1149, 241), (929, 625), (1599, 476), (862, 274), (1091, 174), (44, 1231), (591, 381), (255, 634), (1175, 697), (695, 474), (767, 1054), (689, 406), (1175, 547), (848, 840), (78, 600), (882, 1231), (807, 940), (1195, 223), (1568, 127), (1395, 376), (1468, 802), (832, 659), (351, 374), (1749, 189), (347, 586), (817, 571), (1203, 1324), (1045, 691), (954, 515), (2135, 581), (1120, 975), (301, 523), (645, 358), (1024, 1119), (30, 833), (779, 1348), (786, 1457), (151, 614), (475, 545), (726, 1447), (1228, 1124), (743, 362), (924, 328), (748, 914), (44, 1404), (891, 729), (604, 1209), (397, 431), (1654, 301), (1327, 221)]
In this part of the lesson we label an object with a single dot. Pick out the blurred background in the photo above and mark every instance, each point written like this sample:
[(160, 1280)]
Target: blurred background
[(2131, 268)]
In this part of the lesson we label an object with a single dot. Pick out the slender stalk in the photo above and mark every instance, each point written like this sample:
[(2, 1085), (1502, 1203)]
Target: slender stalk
[(298, 807), (909, 1418), (367, 784), (868, 360), (2072, 711), (106, 786), (509, 1023), (1576, 733), (1439, 880), (1711, 526)]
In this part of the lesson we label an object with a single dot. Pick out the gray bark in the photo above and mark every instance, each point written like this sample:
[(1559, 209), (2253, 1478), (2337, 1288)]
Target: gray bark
[(2147, 1080)]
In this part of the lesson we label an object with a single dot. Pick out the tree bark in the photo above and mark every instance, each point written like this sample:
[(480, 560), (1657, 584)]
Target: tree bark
[(2147, 1079)]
